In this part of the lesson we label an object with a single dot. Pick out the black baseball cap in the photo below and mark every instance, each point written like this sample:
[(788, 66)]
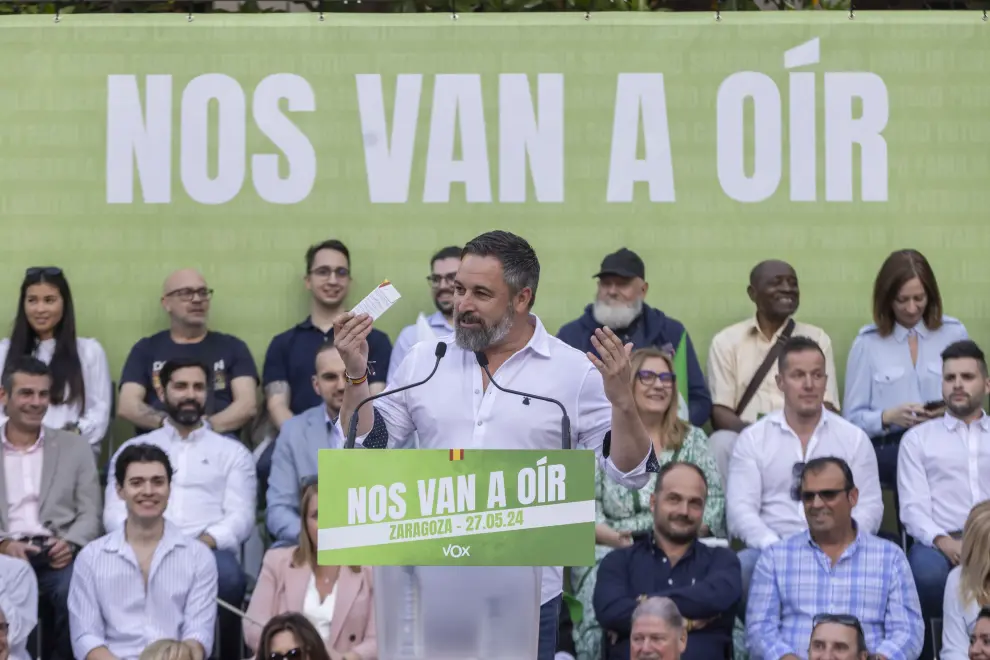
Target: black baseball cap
[(624, 263)]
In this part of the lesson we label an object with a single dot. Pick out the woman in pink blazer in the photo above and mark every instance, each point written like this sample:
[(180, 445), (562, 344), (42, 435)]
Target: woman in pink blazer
[(337, 600)]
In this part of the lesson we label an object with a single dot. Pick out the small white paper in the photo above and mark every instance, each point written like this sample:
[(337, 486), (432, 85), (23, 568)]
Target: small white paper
[(378, 301)]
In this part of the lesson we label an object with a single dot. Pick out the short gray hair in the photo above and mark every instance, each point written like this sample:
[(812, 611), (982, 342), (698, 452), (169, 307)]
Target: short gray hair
[(661, 608), (520, 267)]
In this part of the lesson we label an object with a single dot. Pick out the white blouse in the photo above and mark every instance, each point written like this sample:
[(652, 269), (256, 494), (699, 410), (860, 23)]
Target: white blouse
[(99, 390), (319, 614), (958, 620)]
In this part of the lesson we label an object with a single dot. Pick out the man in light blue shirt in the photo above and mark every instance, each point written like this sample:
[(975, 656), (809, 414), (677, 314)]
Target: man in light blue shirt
[(298, 445), (443, 267), (147, 580)]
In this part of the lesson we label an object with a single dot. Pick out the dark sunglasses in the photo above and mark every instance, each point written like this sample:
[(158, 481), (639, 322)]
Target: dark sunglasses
[(291, 654), (647, 377), (827, 495), (36, 271), (306, 482)]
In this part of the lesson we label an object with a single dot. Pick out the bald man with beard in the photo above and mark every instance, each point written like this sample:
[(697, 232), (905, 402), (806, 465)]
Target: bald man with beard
[(233, 379), (743, 391)]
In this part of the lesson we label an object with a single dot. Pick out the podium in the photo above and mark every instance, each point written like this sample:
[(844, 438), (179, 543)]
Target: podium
[(457, 612), (457, 541)]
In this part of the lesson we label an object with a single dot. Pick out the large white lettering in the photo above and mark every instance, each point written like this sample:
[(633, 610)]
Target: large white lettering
[(141, 138), (842, 129), (539, 135), (640, 95), (388, 161), (458, 114)]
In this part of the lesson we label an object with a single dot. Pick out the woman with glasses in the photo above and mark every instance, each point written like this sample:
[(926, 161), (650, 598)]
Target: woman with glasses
[(968, 588), (291, 636), (45, 327), (623, 514), (337, 600)]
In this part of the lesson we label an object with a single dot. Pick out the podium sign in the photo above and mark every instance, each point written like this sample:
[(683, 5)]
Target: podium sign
[(440, 507)]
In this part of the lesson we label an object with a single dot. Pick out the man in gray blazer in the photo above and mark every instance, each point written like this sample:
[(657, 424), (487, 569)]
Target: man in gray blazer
[(50, 499), (298, 444)]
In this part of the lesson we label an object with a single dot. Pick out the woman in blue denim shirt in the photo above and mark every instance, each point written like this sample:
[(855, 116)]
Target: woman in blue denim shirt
[(895, 364)]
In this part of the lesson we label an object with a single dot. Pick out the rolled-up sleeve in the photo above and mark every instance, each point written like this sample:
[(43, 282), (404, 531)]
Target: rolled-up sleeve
[(86, 625), (201, 605)]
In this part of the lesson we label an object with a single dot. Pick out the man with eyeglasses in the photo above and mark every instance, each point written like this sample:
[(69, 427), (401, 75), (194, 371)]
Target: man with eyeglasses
[(18, 607), (289, 362), (443, 267), (837, 637), (769, 456), (232, 399), (836, 566)]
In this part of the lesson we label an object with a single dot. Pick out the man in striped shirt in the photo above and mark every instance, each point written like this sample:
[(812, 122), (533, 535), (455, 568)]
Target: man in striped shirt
[(147, 580), (833, 568)]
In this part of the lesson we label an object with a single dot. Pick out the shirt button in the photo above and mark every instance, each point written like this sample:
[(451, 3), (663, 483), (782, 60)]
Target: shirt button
[(477, 391), (479, 423), (671, 581)]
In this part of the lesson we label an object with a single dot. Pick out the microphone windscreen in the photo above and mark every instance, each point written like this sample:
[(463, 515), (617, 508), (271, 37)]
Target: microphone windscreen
[(441, 350)]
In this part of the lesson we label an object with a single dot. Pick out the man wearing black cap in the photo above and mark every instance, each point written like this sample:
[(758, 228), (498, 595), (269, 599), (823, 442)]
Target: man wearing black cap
[(619, 305)]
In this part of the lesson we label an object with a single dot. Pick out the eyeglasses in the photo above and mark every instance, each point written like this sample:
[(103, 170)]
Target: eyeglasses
[(437, 280), (36, 271), (325, 273), (647, 377), (797, 471), (291, 654), (186, 295), (306, 482)]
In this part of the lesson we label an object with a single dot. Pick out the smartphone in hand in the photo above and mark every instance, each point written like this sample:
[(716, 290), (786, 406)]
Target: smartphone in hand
[(934, 406)]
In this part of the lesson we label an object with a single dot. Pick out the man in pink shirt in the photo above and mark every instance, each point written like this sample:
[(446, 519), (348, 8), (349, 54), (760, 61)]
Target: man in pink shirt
[(50, 498)]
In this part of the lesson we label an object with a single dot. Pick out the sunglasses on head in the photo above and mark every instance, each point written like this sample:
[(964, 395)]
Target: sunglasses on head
[(841, 619), (306, 482), (291, 654), (35, 271)]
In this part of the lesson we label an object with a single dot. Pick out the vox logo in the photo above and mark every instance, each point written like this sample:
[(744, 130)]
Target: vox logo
[(457, 551)]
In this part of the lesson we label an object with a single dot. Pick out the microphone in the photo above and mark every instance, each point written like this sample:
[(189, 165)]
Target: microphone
[(565, 421), (440, 351)]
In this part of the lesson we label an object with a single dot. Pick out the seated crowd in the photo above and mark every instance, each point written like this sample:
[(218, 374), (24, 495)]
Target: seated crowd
[(109, 574)]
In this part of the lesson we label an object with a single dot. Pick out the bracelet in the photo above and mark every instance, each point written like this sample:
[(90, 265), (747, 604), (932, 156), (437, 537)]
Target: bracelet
[(356, 381)]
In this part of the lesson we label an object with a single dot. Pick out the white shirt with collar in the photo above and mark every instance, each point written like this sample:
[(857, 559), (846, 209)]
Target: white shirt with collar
[(19, 602), (214, 486), (454, 411), (760, 505), (424, 329), (948, 457), (95, 418)]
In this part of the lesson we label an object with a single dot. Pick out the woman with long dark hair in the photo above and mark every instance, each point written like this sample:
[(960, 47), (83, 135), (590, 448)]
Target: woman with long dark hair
[(45, 327)]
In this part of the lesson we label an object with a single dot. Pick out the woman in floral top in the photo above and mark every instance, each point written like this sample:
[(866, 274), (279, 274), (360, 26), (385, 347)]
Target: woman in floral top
[(623, 513)]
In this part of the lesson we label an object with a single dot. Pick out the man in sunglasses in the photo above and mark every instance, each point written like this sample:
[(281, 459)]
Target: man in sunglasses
[(837, 565), (837, 637), (443, 269)]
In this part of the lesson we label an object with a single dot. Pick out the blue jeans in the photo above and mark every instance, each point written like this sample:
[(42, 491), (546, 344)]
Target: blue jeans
[(930, 569), (231, 587), (53, 597), (747, 562), (549, 622)]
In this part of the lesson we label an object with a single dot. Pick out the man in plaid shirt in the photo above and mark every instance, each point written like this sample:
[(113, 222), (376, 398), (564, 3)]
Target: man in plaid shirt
[(832, 568)]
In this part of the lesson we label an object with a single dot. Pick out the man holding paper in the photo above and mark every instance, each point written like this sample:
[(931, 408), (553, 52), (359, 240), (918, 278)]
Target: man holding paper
[(458, 408)]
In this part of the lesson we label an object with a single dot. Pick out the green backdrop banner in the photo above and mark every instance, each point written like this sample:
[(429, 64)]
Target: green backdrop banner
[(132, 145), (454, 507)]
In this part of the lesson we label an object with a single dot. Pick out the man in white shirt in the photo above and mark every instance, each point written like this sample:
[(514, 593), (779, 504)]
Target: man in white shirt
[(762, 503), (18, 607), (213, 495), (943, 470), (443, 269), (494, 292), (147, 580)]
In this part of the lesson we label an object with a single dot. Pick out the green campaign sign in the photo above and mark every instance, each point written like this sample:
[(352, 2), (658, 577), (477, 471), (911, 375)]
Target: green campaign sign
[(454, 507)]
